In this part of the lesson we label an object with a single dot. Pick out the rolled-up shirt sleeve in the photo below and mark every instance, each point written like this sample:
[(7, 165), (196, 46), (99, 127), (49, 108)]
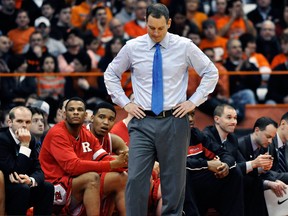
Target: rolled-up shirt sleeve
[(113, 74), (205, 68)]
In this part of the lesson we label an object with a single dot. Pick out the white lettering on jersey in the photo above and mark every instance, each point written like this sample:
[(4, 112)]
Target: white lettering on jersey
[(86, 147)]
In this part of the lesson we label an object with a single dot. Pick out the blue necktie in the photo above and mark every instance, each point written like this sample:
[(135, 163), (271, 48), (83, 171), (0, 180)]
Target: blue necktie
[(157, 83)]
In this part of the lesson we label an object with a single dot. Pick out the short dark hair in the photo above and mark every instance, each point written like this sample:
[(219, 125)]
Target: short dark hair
[(219, 110), (36, 110), (157, 10), (75, 99), (247, 38), (285, 117), (104, 105), (263, 122)]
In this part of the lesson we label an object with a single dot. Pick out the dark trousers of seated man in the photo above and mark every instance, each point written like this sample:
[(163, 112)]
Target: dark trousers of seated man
[(204, 190), (254, 199), (20, 197)]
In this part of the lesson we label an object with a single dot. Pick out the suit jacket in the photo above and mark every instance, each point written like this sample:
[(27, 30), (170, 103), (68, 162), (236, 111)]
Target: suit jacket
[(13, 161), (245, 147), (202, 149), (231, 145)]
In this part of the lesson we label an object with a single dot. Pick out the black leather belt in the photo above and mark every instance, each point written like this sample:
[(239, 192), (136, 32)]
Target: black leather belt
[(163, 114)]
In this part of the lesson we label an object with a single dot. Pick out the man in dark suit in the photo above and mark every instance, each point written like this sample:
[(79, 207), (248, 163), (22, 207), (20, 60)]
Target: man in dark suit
[(278, 147), (24, 179), (225, 118), (254, 148)]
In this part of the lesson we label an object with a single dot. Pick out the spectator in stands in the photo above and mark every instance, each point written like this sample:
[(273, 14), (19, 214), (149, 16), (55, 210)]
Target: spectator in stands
[(81, 14), (267, 42), (249, 46), (62, 24), (77, 167), (243, 87), (211, 177), (263, 12), (74, 43), (16, 88), (2, 194), (180, 24), (117, 29), (45, 107), (282, 26), (55, 47), (23, 29), (137, 27), (48, 10), (34, 7), (37, 126), (35, 51), (5, 45), (94, 49), (281, 58), (85, 87), (127, 12), (4, 117), (111, 50), (236, 23), (8, 13), (32, 98), (50, 86), (254, 148), (99, 24), (24, 179), (278, 150), (248, 42), (220, 10), (195, 35), (60, 111), (277, 86), (192, 13), (212, 40)]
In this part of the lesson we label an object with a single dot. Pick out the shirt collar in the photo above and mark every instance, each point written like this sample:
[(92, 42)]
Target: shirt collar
[(254, 145), (14, 136), (163, 43), (279, 141)]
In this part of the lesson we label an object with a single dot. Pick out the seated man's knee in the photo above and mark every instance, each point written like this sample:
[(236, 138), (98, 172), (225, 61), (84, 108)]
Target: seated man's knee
[(91, 178)]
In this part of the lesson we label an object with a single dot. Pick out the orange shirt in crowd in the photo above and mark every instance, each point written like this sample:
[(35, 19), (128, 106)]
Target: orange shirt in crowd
[(237, 28), (197, 18), (260, 61), (80, 12), (222, 87), (278, 59), (134, 30), (219, 46), (20, 38), (106, 35)]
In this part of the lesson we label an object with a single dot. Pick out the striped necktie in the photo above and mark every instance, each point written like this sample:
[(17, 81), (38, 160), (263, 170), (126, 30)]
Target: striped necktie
[(157, 82), (282, 160)]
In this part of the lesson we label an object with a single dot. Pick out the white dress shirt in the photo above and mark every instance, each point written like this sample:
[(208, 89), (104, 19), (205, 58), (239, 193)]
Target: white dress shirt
[(178, 53)]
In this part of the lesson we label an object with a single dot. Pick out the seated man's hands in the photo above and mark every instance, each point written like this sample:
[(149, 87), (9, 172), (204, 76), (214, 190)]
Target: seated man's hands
[(278, 187)]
